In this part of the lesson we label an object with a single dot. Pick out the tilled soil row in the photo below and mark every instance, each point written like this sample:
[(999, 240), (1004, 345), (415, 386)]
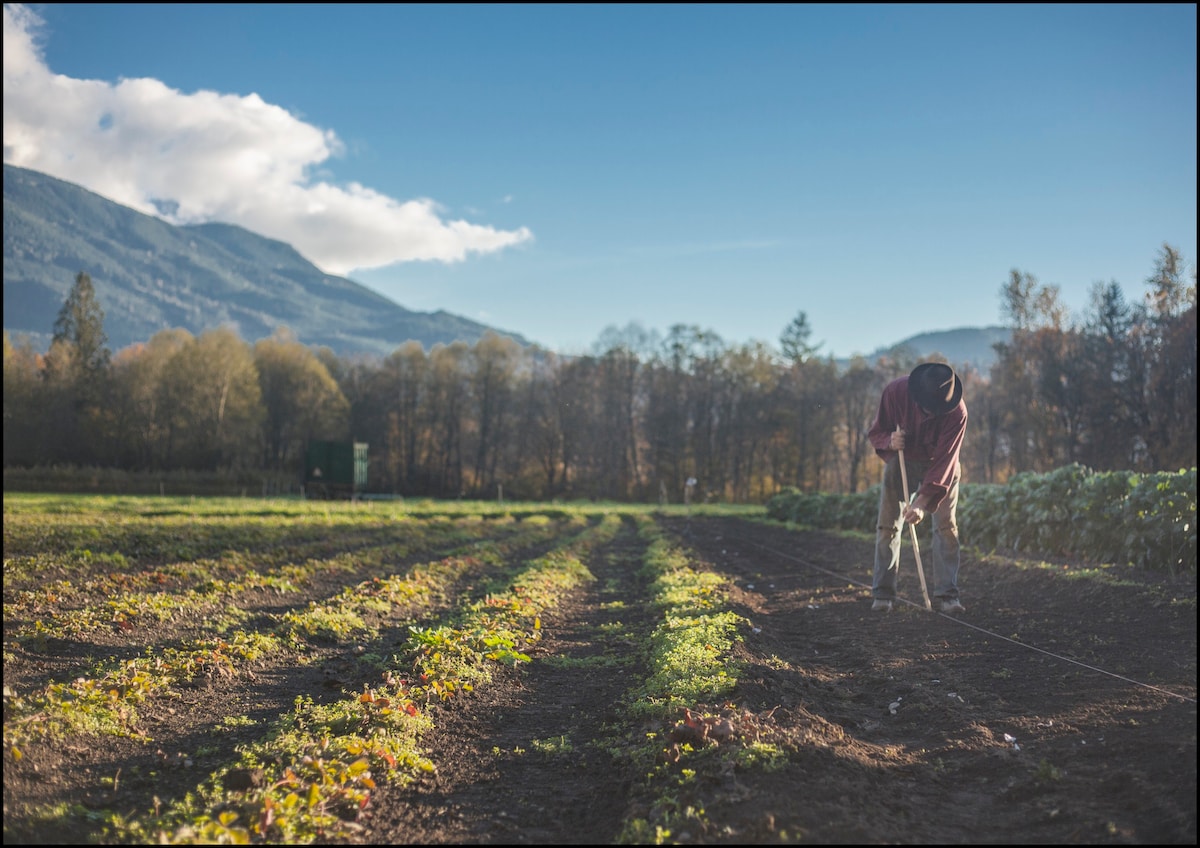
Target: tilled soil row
[(1058, 709), (31, 665), (130, 777), (523, 761)]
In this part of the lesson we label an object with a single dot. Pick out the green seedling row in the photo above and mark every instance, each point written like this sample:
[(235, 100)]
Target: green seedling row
[(125, 612), (335, 754), (689, 666), (107, 703), (91, 575)]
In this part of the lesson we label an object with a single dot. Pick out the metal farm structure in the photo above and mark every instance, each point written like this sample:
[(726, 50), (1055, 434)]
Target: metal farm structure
[(335, 470)]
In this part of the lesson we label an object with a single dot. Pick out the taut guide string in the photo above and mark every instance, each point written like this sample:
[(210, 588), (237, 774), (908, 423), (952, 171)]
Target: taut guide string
[(957, 620)]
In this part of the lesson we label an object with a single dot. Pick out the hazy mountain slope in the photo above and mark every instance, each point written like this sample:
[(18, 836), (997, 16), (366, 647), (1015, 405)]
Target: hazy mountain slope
[(965, 345), (150, 276)]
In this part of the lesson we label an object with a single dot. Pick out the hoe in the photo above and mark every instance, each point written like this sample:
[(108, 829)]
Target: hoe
[(913, 530)]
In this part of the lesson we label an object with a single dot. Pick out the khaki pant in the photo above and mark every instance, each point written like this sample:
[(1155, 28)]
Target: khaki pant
[(944, 584)]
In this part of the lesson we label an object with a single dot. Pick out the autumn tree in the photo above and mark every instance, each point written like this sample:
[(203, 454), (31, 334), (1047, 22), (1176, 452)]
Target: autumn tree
[(394, 418), (857, 400), (808, 393), (615, 427), (1105, 354), (678, 380), (1115, 391), (301, 400), (448, 398), (493, 363), (22, 395), (979, 445), (750, 376), (1024, 373), (572, 430), (1170, 375), (211, 389), (142, 400), (539, 432)]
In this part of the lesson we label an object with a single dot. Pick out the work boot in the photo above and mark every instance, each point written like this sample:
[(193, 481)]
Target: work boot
[(881, 605), (951, 605)]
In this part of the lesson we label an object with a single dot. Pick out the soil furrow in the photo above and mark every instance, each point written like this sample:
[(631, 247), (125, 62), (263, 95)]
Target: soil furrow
[(524, 761), (950, 731), (187, 723)]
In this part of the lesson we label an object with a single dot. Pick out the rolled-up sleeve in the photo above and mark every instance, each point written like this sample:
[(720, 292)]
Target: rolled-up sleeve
[(892, 404)]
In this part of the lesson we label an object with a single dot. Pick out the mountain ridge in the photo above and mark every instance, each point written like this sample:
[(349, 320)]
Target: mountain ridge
[(151, 275), (962, 345)]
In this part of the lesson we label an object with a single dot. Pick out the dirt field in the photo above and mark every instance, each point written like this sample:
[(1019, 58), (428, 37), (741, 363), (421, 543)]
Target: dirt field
[(1059, 708)]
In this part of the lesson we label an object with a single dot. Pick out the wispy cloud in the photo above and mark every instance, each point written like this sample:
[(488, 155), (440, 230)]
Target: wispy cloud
[(702, 248), (206, 156)]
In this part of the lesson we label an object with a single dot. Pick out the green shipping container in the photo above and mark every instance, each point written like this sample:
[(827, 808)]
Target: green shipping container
[(335, 469)]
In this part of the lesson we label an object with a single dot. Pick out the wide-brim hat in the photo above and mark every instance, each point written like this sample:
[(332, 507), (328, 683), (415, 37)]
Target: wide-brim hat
[(935, 387)]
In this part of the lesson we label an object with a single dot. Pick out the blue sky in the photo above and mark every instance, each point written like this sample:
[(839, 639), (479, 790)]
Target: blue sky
[(555, 170)]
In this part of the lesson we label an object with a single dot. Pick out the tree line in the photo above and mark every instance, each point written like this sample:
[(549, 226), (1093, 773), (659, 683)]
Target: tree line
[(635, 419)]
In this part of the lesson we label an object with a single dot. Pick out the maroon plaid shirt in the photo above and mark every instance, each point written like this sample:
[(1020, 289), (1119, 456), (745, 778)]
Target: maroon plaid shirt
[(936, 439)]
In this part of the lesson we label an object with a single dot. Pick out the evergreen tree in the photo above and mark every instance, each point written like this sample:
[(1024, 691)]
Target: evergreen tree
[(77, 417), (80, 324), (795, 342)]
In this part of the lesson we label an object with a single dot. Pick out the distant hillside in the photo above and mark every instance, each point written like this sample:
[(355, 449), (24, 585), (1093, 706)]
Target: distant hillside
[(971, 345), (151, 276)]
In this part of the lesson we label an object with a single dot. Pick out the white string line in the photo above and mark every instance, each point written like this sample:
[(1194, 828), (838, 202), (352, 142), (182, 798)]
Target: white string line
[(957, 620)]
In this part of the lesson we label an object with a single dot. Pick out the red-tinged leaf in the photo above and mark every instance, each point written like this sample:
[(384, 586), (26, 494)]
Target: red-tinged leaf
[(410, 709)]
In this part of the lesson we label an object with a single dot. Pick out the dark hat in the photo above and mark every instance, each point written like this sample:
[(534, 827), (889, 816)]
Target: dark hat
[(935, 387)]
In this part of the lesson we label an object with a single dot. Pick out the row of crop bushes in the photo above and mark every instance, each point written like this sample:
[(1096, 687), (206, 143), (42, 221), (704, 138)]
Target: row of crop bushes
[(1146, 520)]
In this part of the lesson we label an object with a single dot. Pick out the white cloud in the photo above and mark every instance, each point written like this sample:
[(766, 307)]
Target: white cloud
[(214, 157)]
